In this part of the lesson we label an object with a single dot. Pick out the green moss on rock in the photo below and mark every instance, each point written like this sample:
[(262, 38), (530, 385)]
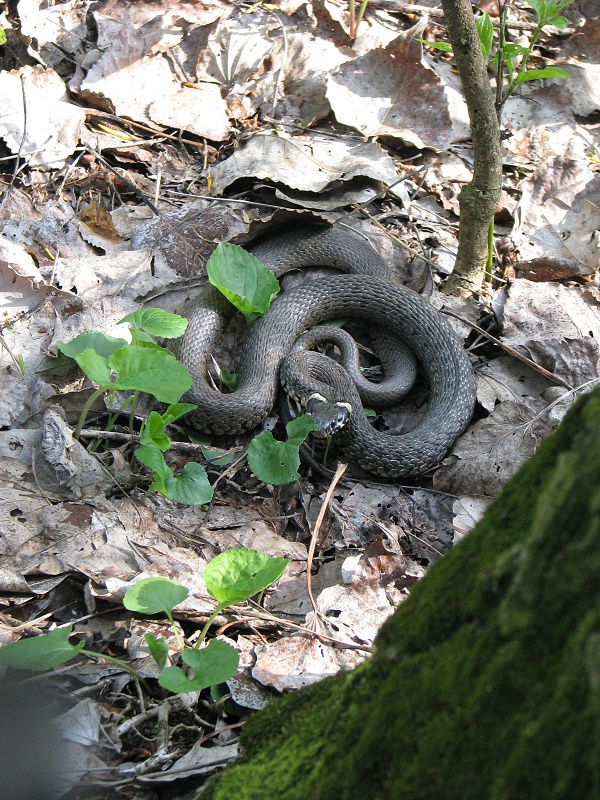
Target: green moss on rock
[(485, 683)]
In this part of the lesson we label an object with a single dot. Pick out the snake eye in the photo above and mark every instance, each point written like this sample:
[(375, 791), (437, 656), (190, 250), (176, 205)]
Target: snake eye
[(343, 411)]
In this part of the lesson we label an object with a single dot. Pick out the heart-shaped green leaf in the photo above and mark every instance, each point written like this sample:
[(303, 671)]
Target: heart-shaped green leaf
[(236, 575)]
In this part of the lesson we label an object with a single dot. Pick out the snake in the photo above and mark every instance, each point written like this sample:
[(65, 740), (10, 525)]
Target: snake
[(365, 288)]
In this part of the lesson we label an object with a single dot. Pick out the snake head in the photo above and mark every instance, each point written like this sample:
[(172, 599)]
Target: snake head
[(329, 417)]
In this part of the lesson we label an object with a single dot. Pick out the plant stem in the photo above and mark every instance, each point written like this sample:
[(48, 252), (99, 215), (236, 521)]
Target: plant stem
[(209, 622), (178, 639), (361, 14), (119, 663), (489, 271), (352, 10), (513, 83), (136, 396), (115, 414), (84, 411), (499, 54)]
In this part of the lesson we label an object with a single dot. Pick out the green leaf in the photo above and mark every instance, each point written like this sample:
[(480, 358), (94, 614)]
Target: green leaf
[(273, 461), (41, 652), (539, 74), (174, 679), (236, 575), (215, 663), (154, 596), (191, 486), (485, 29), (447, 48), (95, 367), (230, 379), (511, 51), (175, 411), (244, 281), (150, 456), (142, 338), (103, 344), (559, 22), (298, 429), (159, 649), (2, 37), (547, 11), (277, 462), (152, 433), (152, 370), (157, 322), (546, 8), (539, 6)]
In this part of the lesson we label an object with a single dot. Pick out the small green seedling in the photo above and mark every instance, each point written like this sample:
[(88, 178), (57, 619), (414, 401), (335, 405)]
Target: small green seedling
[(153, 429), (143, 366), (140, 366), (277, 462), (244, 281), (232, 577), (191, 485)]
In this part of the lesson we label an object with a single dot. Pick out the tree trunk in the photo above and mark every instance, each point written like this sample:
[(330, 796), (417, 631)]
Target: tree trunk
[(486, 681)]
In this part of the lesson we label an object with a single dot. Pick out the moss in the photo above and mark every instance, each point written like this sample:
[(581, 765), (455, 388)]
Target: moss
[(485, 683)]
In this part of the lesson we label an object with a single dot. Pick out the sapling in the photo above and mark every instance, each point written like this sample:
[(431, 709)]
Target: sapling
[(232, 577)]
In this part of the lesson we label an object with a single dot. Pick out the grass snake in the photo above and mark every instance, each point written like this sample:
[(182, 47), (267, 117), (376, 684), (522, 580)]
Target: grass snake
[(368, 291)]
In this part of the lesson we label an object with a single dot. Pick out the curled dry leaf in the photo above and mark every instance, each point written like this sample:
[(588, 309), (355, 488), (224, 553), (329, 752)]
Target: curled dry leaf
[(307, 163)]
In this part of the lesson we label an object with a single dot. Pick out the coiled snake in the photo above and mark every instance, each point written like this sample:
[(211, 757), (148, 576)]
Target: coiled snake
[(372, 296)]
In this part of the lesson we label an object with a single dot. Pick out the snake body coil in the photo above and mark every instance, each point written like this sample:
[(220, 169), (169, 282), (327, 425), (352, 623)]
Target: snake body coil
[(371, 296)]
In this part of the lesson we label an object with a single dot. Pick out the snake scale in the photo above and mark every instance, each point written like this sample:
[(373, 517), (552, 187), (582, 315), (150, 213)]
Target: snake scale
[(367, 292)]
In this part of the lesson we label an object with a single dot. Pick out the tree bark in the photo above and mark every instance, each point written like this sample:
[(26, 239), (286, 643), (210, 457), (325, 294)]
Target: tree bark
[(486, 681), (479, 199)]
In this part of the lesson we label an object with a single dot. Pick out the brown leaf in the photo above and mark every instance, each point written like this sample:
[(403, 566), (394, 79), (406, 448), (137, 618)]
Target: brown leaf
[(391, 92)]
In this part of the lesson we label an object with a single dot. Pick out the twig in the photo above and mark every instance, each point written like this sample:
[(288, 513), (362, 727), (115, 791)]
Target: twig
[(139, 194), (134, 438), (24, 136), (558, 401), (4, 344), (322, 637), (546, 373), (341, 468)]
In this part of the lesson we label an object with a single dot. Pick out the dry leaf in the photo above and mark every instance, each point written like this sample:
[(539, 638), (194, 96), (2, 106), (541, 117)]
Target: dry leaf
[(391, 92), (53, 124)]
